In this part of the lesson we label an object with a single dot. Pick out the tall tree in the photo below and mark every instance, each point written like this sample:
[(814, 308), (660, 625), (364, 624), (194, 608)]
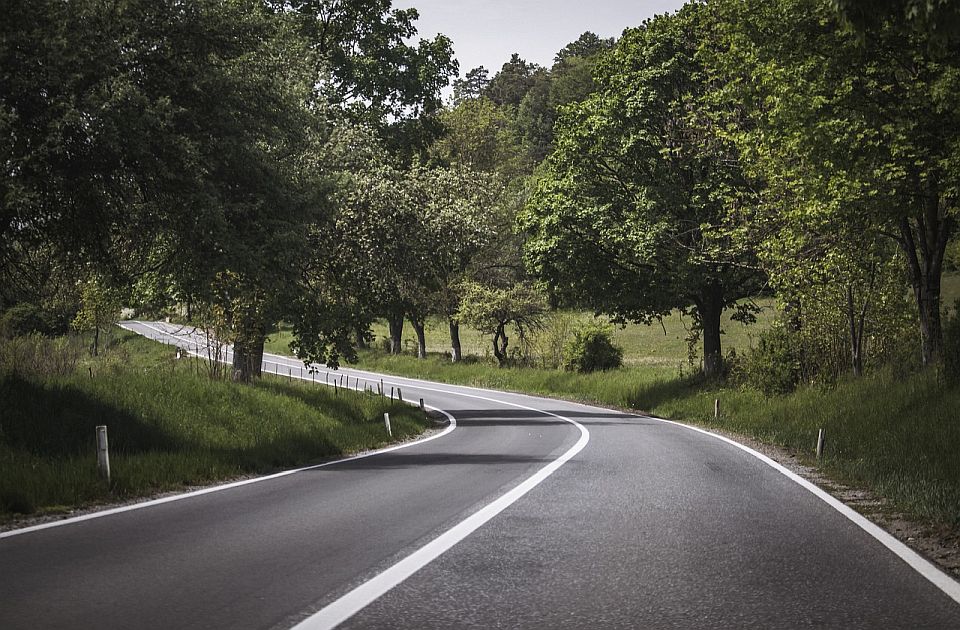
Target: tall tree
[(472, 85), (513, 81), (570, 80), (628, 219), (867, 127), (370, 68)]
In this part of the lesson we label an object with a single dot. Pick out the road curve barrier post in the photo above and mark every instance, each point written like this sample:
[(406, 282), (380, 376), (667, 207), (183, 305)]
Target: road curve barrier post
[(821, 438), (386, 423), (103, 453)]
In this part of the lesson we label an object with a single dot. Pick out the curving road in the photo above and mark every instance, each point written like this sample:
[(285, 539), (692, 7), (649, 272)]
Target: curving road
[(525, 513)]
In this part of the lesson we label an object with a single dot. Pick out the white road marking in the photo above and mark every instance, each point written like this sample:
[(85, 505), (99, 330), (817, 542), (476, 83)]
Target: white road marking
[(359, 598), (921, 565)]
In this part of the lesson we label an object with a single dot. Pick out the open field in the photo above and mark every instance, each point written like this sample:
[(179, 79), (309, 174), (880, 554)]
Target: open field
[(169, 426), (662, 346)]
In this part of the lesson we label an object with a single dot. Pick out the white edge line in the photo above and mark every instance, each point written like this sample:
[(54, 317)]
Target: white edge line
[(917, 562), (352, 602), (227, 486)]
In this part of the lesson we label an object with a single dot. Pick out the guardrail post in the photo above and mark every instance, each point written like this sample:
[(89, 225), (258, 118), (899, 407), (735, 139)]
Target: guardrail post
[(103, 453)]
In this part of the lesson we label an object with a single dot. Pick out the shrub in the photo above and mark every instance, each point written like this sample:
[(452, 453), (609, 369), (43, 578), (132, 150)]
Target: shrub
[(774, 366), (23, 319), (38, 356), (592, 349)]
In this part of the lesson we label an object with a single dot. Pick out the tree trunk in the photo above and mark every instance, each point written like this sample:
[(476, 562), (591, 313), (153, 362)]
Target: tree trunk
[(418, 327), (924, 248), (248, 358), (710, 308), (396, 333), (856, 335), (456, 352), (362, 333), (500, 341)]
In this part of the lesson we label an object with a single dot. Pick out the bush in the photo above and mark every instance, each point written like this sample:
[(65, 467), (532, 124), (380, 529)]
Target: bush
[(592, 349), (38, 356), (23, 319), (774, 366)]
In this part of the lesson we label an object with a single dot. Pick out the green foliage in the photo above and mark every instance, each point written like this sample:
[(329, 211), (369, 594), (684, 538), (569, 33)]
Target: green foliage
[(480, 135), (513, 81), (369, 64), (99, 309), (23, 319), (490, 310), (592, 349), (850, 150), (630, 216), (774, 366)]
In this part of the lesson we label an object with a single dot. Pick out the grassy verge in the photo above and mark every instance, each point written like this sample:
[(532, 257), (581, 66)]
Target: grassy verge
[(896, 435), (169, 427)]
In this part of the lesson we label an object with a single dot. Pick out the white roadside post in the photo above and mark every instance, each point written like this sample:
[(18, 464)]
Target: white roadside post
[(821, 438), (103, 453), (386, 423)]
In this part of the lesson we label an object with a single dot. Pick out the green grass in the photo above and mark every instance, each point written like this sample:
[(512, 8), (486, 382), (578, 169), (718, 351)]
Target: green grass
[(169, 426), (643, 345)]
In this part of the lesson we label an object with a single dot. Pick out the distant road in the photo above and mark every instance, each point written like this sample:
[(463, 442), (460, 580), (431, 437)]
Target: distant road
[(529, 513)]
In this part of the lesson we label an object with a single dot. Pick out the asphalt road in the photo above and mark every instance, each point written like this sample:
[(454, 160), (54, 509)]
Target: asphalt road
[(530, 513)]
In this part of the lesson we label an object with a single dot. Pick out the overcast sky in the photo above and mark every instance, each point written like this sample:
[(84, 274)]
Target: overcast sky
[(486, 32)]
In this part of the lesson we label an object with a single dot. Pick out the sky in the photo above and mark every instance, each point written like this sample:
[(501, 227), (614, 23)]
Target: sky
[(486, 32)]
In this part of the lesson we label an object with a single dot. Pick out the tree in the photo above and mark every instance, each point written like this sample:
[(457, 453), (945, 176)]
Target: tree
[(99, 309), (159, 138), (491, 310), (570, 80), (587, 45), (370, 71), (512, 82), (471, 86), (869, 128), (479, 135), (938, 18), (631, 216), (458, 208)]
